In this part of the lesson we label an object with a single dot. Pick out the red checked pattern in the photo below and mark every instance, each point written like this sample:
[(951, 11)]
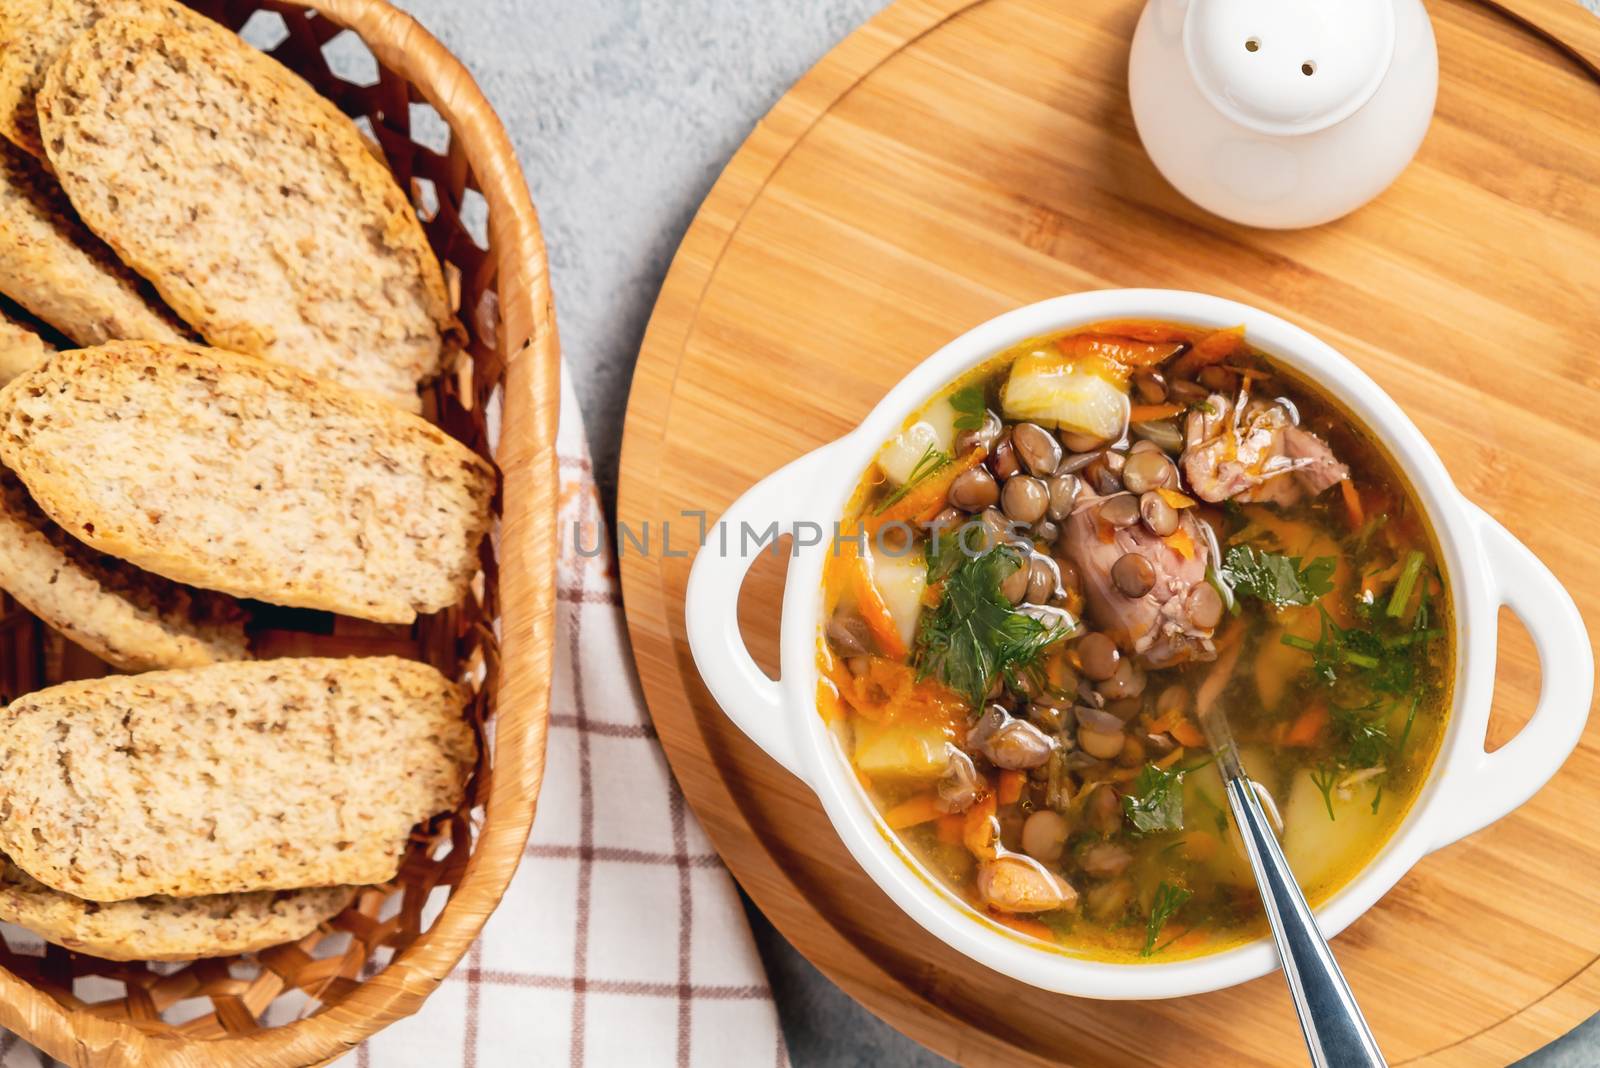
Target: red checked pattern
[(621, 941)]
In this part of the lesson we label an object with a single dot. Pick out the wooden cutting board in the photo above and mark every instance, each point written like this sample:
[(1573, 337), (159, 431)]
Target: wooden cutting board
[(955, 159)]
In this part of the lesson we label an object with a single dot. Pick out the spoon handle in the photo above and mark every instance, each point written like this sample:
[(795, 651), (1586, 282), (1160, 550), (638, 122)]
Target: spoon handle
[(1336, 1033)]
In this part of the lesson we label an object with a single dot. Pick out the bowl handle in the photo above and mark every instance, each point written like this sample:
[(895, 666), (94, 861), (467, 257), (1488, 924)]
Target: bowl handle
[(1500, 781), (751, 525)]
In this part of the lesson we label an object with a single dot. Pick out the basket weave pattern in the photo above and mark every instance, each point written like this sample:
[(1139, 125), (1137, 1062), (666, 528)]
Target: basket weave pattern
[(307, 1003)]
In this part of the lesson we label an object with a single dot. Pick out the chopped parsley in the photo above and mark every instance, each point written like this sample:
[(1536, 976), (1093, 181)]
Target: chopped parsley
[(1363, 733), (971, 406), (975, 635), (1168, 900), (1155, 803), (1323, 778), (1274, 578), (1362, 738), (1386, 663)]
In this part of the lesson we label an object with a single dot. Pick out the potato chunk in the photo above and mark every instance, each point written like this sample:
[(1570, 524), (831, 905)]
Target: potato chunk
[(1053, 390)]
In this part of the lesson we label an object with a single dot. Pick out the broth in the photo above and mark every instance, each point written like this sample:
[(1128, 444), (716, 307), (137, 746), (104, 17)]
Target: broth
[(1061, 559)]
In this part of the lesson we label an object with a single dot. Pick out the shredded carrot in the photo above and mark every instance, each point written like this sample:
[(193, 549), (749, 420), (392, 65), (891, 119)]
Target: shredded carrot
[(920, 809), (927, 497), (1352, 504), (1148, 413), (1308, 727), (1163, 724), (888, 691), (1180, 542), (1140, 330), (1186, 733), (1010, 788), (980, 831), (1215, 347), (949, 828), (885, 631), (1176, 499), (1127, 353), (1022, 925), (1170, 759), (828, 702)]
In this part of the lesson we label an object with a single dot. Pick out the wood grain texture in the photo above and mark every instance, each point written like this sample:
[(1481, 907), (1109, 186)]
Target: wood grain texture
[(955, 159)]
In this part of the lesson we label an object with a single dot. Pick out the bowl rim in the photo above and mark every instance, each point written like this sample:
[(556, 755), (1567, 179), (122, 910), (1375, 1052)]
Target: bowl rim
[(832, 474)]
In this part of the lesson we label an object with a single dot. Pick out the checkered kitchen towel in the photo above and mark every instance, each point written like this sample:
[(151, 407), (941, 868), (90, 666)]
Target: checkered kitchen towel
[(621, 942)]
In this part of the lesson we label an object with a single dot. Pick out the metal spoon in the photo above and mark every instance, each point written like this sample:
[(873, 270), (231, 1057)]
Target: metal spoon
[(1336, 1033)]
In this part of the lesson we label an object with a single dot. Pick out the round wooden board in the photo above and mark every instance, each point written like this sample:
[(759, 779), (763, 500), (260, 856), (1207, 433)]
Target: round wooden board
[(952, 160)]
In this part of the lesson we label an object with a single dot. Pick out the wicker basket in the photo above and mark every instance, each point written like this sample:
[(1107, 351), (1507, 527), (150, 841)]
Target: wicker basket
[(307, 1003)]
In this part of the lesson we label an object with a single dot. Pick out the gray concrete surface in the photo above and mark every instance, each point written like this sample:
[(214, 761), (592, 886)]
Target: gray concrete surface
[(623, 113)]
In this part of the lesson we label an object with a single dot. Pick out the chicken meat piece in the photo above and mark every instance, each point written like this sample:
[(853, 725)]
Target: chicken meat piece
[(1175, 620), (1012, 882), (1253, 452)]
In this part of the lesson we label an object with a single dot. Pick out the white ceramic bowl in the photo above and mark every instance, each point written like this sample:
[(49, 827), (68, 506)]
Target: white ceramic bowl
[(1486, 568)]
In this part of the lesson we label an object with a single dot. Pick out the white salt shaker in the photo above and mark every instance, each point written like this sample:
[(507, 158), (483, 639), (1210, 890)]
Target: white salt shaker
[(1282, 113)]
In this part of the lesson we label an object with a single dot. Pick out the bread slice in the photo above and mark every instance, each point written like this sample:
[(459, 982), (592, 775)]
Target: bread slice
[(22, 348), (167, 928), (129, 619), (249, 201), (231, 474), (32, 35), (61, 272), (272, 774)]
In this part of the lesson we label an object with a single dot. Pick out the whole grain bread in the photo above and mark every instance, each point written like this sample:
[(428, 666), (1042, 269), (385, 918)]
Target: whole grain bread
[(32, 35), (232, 474), (22, 346), (167, 928), (259, 775), (248, 200), (131, 620), (56, 269)]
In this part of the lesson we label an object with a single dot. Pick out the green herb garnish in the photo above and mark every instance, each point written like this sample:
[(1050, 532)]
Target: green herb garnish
[(930, 463), (1408, 582), (1274, 578), (1363, 537), (972, 406), (974, 635), (1156, 801), (1364, 735), (1324, 778), (1385, 663), (1168, 900), (1339, 647), (1363, 738)]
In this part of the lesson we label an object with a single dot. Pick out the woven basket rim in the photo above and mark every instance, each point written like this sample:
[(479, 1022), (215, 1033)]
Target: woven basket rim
[(526, 456)]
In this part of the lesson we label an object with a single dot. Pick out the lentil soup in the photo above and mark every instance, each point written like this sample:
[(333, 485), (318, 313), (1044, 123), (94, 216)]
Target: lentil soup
[(1059, 560)]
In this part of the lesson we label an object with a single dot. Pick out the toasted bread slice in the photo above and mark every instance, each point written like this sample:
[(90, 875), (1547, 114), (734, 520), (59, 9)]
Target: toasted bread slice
[(167, 928), (232, 474), (248, 200), (32, 35), (61, 272), (22, 345), (260, 775), (131, 620)]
